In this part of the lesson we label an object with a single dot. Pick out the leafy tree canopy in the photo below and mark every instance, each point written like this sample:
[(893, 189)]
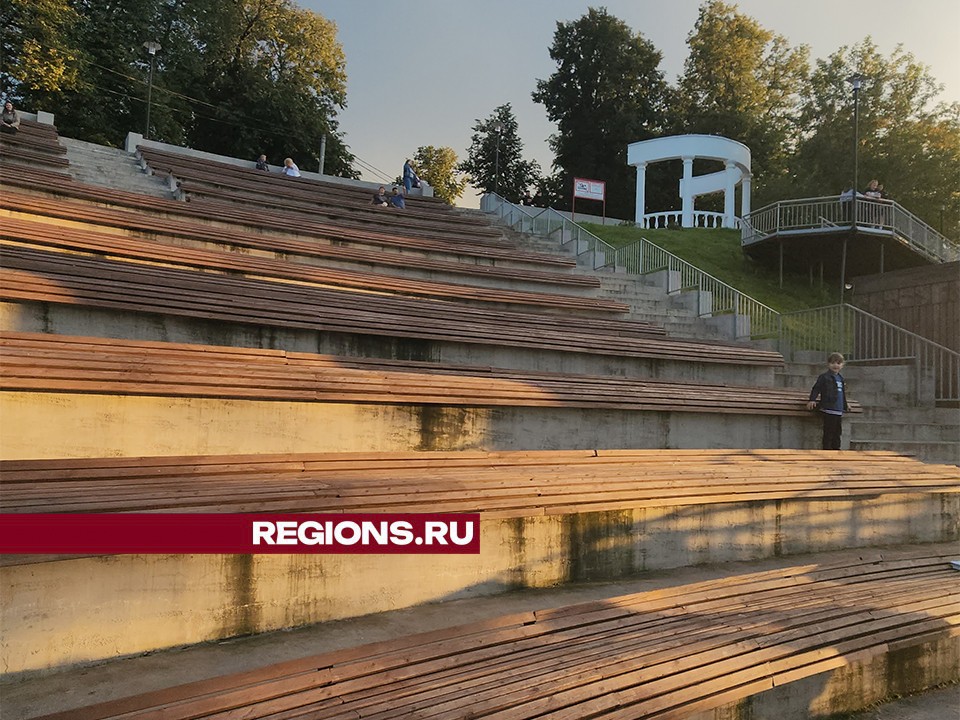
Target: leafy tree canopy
[(495, 159), (743, 82), (438, 166), (606, 93), (236, 78), (36, 46), (908, 141)]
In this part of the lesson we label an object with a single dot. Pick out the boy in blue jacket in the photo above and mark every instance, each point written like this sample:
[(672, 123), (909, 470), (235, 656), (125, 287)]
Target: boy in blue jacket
[(831, 390)]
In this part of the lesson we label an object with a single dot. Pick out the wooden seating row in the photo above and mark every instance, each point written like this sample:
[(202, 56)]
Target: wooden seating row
[(664, 654), (293, 198), (235, 175), (495, 484), (72, 238), (56, 363), (34, 145), (291, 249), (54, 277), (44, 143), (191, 220)]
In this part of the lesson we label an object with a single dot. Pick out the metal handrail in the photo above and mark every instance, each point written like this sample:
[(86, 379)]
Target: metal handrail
[(863, 337), (860, 336), (870, 214), (643, 257)]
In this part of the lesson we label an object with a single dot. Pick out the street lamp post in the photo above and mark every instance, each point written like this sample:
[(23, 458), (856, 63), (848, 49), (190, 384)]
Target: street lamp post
[(152, 46), (496, 163), (857, 81)]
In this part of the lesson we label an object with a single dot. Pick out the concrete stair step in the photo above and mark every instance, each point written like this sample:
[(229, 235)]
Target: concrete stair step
[(881, 398), (110, 167), (908, 414), (805, 381), (915, 432), (931, 452)]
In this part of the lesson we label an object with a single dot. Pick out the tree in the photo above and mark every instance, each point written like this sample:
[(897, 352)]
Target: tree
[(272, 73), (438, 166), (495, 159), (907, 140), (237, 78), (606, 93), (38, 55), (743, 82)]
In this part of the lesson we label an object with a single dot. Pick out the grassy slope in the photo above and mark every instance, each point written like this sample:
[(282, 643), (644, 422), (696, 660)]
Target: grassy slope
[(718, 253)]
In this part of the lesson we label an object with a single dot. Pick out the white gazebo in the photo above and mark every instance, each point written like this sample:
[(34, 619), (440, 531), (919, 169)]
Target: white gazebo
[(735, 156)]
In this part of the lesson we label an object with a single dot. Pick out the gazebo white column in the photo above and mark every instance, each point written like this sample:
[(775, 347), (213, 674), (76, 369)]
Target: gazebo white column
[(735, 157), (745, 195), (730, 195), (641, 193), (686, 217)]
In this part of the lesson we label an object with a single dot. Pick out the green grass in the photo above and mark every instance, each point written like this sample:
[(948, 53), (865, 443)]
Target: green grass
[(717, 251)]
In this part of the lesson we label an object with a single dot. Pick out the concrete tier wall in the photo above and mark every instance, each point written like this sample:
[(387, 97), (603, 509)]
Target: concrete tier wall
[(61, 425), (53, 615), (94, 322), (853, 686)]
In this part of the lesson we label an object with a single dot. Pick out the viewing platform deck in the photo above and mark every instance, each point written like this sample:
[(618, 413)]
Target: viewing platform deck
[(880, 235)]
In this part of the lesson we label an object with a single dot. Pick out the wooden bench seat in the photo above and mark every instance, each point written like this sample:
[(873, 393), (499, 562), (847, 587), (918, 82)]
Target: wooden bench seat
[(44, 234), (39, 143), (544, 269), (668, 653), (53, 277), (38, 132), (55, 363), (360, 196), (497, 485), (176, 213), (34, 157), (34, 145), (276, 193), (239, 180), (280, 209)]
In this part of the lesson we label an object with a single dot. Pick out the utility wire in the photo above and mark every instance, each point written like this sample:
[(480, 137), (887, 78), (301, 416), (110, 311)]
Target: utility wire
[(357, 159)]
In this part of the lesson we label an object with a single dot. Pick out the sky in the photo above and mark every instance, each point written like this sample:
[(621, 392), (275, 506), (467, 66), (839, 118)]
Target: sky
[(423, 72)]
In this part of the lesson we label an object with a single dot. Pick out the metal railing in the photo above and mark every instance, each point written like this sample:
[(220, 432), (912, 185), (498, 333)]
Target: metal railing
[(751, 318), (834, 213), (860, 336), (863, 337), (715, 297)]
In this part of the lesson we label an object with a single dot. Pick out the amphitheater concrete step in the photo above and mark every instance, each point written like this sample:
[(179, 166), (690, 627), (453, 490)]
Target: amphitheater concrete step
[(803, 378), (110, 167), (679, 325), (932, 452), (914, 414), (868, 430)]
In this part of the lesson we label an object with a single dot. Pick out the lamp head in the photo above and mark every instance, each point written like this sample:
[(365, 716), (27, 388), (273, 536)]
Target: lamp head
[(856, 80), (152, 46)]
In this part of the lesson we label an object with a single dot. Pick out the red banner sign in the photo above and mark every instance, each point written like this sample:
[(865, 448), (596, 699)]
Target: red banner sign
[(217, 533)]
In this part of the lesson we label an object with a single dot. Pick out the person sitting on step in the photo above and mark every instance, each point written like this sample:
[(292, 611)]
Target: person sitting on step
[(9, 118), (290, 168)]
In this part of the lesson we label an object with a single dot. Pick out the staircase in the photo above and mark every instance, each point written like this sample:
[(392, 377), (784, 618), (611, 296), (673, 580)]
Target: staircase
[(112, 168), (646, 294), (891, 418)]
